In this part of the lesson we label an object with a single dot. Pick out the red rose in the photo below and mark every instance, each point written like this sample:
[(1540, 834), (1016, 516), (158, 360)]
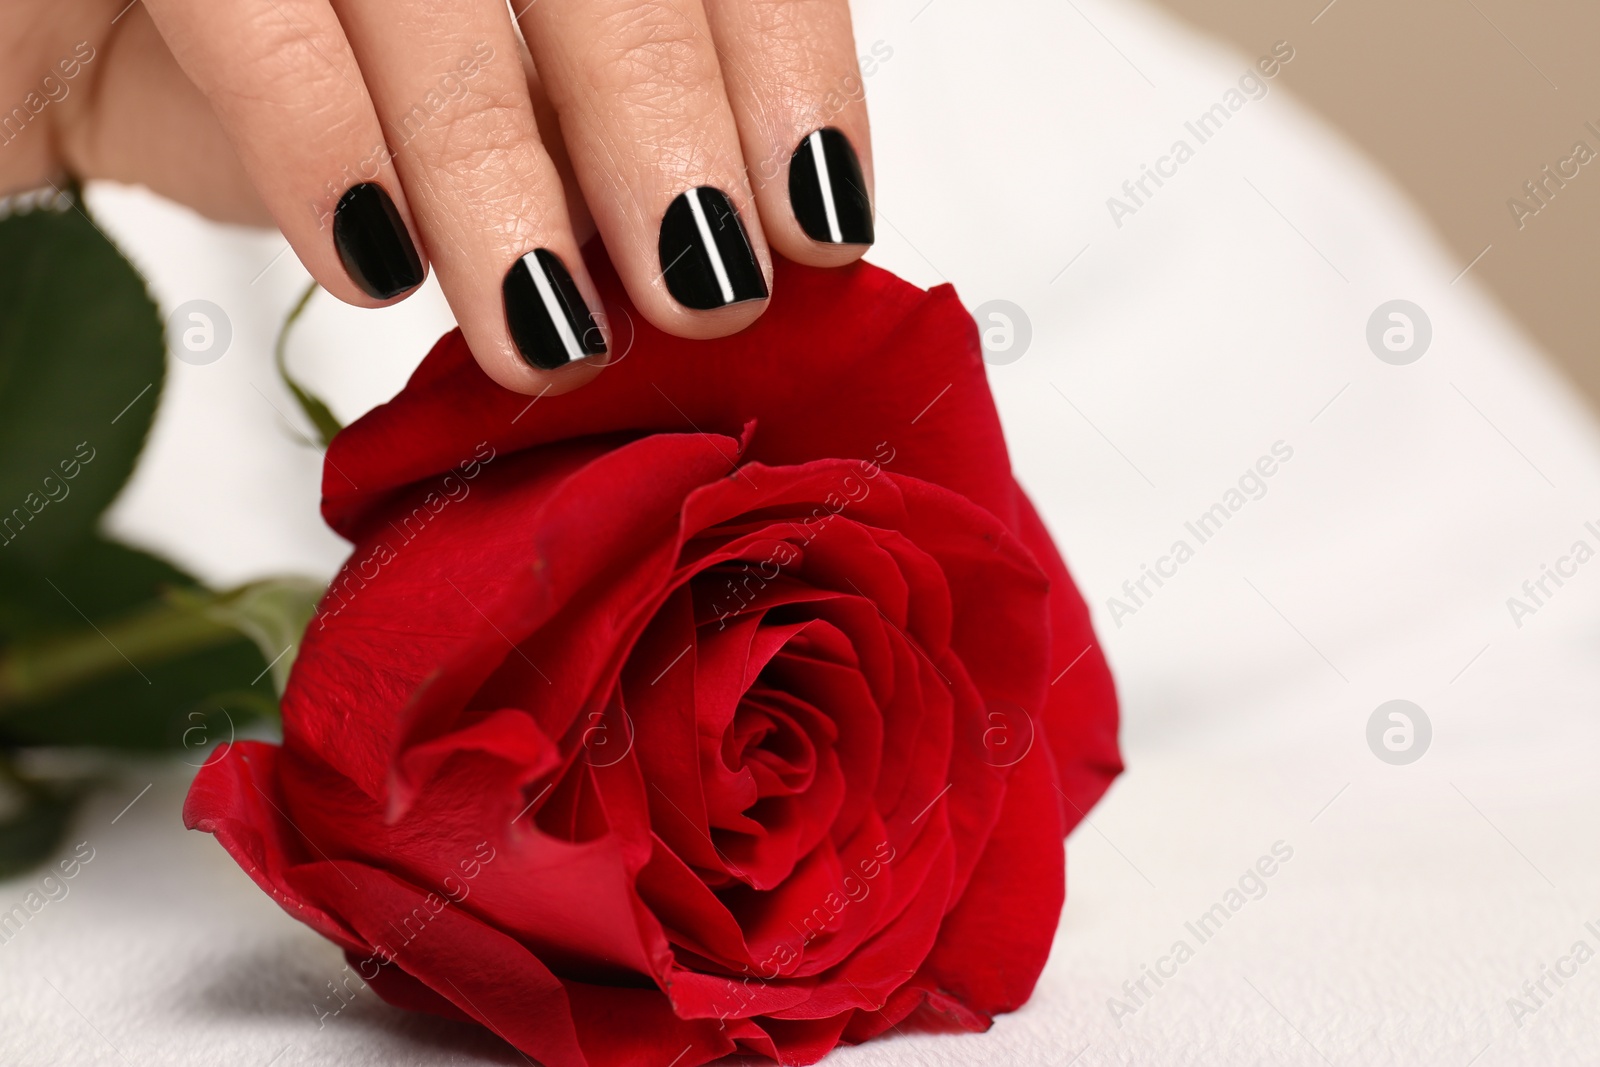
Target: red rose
[(722, 705)]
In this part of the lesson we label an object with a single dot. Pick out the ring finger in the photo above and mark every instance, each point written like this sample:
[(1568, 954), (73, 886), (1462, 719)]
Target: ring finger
[(647, 124)]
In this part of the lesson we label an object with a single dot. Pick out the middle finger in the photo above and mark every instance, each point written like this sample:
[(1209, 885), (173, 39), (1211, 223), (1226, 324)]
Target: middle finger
[(449, 84)]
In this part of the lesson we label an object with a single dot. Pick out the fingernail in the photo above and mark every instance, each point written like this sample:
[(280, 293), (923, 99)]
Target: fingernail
[(373, 242), (548, 319), (705, 256), (828, 192)]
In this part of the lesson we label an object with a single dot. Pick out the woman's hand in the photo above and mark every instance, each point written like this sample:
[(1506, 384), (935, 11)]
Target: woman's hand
[(382, 136)]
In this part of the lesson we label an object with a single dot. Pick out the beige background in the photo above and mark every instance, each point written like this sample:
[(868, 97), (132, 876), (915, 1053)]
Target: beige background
[(1463, 101)]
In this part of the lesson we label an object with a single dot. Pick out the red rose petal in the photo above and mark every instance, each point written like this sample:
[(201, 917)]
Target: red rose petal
[(385, 678), (798, 1041), (681, 687), (882, 334), (236, 797), (568, 902), (636, 1028), (483, 972), (1081, 704), (877, 968), (993, 946), (508, 734)]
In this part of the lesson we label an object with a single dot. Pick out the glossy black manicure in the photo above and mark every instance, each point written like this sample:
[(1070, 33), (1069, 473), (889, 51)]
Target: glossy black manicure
[(828, 192), (548, 319), (373, 242), (705, 256)]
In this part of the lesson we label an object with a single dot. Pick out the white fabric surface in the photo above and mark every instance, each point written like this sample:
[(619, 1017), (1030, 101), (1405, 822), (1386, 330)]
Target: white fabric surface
[(1226, 314)]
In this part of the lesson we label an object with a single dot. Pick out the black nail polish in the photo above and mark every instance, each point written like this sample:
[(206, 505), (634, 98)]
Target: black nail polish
[(548, 319), (705, 256), (828, 192), (373, 242)]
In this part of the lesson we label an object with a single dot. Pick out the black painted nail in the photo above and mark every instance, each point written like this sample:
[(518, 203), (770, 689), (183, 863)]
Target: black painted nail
[(373, 242), (547, 316), (705, 256), (828, 192)]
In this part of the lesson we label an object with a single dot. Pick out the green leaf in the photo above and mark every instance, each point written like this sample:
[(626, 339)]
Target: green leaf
[(37, 821), (116, 648), (274, 613), (82, 363), (322, 417), (100, 644), (101, 579)]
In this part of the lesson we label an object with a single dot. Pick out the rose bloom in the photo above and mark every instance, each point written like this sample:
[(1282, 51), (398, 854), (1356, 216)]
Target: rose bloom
[(738, 702)]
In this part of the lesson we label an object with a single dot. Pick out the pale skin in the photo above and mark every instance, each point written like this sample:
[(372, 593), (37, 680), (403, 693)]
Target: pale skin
[(494, 129)]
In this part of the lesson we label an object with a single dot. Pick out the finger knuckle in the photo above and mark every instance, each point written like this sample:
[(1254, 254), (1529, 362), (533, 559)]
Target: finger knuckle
[(480, 128), (790, 20), (294, 62), (649, 55), (799, 35), (484, 152)]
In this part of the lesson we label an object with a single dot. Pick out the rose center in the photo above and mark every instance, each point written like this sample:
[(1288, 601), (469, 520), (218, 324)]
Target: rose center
[(767, 742)]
